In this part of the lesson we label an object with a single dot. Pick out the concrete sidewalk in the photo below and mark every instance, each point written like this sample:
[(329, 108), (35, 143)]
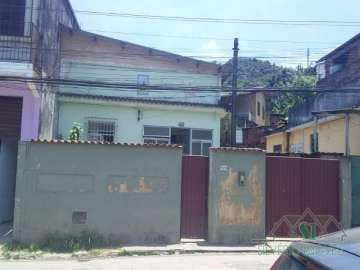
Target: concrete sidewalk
[(273, 246), (203, 247)]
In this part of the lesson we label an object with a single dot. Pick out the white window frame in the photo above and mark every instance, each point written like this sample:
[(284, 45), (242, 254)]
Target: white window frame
[(98, 119), (158, 138), (321, 70), (201, 141)]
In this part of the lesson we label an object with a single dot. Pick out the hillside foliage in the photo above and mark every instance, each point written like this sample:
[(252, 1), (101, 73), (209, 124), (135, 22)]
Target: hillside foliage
[(257, 73)]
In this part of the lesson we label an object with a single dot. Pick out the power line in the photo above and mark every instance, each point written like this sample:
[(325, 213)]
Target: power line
[(158, 52), (211, 37), (342, 23), (332, 23), (216, 38), (160, 88)]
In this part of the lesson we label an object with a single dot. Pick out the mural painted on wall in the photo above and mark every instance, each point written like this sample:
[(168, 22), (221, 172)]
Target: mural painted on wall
[(240, 204), (137, 184)]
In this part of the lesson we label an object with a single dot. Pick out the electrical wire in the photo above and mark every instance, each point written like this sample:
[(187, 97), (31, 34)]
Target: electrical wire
[(332, 23), (168, 88)]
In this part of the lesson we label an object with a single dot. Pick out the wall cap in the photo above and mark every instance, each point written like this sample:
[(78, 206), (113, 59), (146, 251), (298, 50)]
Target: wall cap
[(173, 146), (234, 149)]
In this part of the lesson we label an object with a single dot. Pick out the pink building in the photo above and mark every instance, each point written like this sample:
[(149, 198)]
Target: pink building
[(24, 121), (19, 121)]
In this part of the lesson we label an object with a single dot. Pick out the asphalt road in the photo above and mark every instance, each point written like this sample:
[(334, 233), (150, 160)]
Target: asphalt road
[(193, 262)]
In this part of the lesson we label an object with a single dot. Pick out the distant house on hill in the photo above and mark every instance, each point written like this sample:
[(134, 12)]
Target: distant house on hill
[(327, 122)]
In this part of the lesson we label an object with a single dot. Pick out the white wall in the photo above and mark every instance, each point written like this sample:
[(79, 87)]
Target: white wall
[(129, 129), (8, 157), (73, 70)]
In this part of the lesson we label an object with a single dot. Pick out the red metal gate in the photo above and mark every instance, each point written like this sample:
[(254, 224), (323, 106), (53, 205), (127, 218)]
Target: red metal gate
[(296, 185), (194, 197)]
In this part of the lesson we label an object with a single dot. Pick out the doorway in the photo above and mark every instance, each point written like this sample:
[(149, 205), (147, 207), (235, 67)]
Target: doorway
[(10, 130), (181, 136), (194, 197)]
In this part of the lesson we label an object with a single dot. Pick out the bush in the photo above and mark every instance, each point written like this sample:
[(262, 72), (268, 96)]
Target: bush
[(63, 243), (70, 243)]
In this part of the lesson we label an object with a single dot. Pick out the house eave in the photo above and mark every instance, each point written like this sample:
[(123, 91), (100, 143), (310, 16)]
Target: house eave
[(137, 103)]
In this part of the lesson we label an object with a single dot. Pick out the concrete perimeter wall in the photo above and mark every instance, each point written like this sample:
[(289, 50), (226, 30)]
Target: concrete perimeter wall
[(345, 189), (130, 194), (236, 196)]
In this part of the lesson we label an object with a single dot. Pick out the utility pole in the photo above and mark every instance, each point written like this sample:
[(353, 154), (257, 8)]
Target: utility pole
[(234, 95), (308, 57)]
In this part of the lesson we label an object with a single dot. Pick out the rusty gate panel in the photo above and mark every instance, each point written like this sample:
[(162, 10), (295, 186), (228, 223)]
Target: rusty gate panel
[(320, 186), (282, 190), (194, 197), (301, 187)]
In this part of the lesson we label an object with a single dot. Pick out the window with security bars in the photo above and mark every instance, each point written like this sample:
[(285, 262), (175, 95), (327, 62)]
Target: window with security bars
[(101, 130)]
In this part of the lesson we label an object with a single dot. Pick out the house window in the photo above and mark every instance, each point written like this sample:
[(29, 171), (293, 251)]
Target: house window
[(321, 70), (277, 148), (258, 108), (297, 148), (201, 142), (143, 79), (101, 130), (12, 17), (156, 135), (314, 145), (194, 141), (338, 63)]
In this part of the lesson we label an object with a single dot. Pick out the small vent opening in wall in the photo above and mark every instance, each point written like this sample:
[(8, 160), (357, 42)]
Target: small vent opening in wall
[(79, 217)]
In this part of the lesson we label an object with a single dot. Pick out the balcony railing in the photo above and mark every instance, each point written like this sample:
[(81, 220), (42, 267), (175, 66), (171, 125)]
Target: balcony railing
[(15, 48)]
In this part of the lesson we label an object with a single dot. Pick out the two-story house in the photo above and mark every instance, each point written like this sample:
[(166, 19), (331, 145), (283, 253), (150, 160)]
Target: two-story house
[(158, 97), (142, 95), (330, 121), (28, 48)]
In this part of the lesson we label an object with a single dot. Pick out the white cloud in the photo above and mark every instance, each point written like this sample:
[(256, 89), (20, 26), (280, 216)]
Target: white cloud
[(209, 45)]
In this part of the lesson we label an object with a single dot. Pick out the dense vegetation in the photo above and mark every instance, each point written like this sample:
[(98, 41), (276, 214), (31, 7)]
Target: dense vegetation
[(257, 73)]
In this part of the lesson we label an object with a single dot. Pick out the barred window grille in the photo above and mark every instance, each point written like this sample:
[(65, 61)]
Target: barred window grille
[(101, 130)]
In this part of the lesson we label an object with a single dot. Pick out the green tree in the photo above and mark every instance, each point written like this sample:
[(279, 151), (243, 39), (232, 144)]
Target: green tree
[(287, 100)]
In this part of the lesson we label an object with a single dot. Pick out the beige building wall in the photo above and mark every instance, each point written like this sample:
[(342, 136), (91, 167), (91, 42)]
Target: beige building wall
[(331, 137), (276, 139), (355, 134), (260, 119)]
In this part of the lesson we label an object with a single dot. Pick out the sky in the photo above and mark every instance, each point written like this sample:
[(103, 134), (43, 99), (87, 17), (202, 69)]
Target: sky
[(214, 41)]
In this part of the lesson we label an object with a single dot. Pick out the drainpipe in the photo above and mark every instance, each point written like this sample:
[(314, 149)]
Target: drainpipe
[(316, 143), (347, 134)]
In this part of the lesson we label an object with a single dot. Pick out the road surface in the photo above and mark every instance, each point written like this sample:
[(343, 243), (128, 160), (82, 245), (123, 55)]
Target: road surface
[(178, 262)]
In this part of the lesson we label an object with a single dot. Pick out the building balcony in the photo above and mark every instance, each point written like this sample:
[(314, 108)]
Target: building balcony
[(15, 49), (16, 42)]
